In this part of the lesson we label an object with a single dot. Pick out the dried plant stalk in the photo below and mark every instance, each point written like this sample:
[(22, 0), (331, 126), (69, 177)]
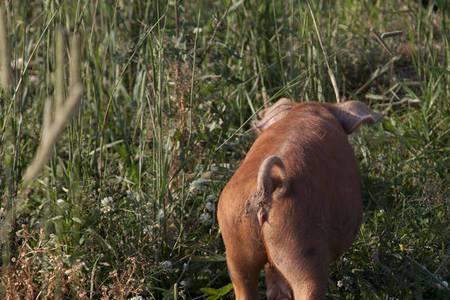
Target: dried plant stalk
[(5, 85), (5, 66), (59, 72), (75, 66), (63, 110), (51, 134)]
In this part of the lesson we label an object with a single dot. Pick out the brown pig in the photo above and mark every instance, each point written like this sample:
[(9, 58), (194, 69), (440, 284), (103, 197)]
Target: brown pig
[(294, 204)]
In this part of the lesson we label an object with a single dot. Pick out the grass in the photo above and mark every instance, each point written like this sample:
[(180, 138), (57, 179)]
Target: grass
[(126, 205)]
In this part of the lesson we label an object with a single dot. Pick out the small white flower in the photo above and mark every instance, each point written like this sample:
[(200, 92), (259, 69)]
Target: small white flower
[(106, 204), (60, 202), (344, 282), (107, 200), (136, 298), (197, 30)]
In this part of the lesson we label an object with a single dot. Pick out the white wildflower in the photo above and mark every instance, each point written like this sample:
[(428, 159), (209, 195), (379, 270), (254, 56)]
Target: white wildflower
[(106, 205), (197, 30), (60, 202), (344, 282)]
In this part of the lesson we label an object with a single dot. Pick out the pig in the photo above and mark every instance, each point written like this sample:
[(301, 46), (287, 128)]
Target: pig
[(294, 204)]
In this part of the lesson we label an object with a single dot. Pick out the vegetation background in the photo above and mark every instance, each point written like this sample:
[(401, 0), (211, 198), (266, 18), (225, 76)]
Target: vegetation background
[(126, 206)]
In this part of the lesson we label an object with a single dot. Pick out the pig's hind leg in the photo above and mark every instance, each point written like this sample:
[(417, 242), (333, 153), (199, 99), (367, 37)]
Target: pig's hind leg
[(277, 287), (297, 247)]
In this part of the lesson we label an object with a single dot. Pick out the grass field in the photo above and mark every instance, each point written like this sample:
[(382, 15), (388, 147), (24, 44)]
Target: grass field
[(126, 205)]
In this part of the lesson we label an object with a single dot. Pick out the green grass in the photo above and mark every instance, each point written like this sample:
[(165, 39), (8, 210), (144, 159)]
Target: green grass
[(126, 205)]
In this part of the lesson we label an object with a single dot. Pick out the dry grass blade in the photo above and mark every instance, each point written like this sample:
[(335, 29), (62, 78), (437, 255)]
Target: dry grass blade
[(330, 72), (390, 34), (59, 72), (52, 129), (5, 71), (75, 66), (379, 39), (51, 134)]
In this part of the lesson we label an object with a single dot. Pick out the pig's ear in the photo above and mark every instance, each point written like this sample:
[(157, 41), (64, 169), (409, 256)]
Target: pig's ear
[(351, 114), (272, 114), (281, 104)]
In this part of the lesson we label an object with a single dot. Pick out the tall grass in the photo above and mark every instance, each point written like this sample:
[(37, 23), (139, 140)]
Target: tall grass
[(125, 206)]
